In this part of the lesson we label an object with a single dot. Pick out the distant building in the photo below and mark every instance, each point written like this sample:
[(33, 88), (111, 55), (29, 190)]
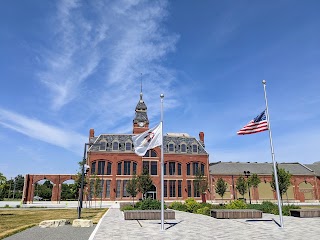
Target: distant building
[(305, 181), (115, 162)]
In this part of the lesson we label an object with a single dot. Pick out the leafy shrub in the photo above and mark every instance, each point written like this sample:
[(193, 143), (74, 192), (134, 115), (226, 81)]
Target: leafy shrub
[(150, 204), (17, 206), (285, 210), (236, 204), (6, 206), (178, 206), (204, 211), (192, 205), (127, 207), (268, 207)]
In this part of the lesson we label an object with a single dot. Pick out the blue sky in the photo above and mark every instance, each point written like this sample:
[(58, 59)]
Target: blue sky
[(68, 66)]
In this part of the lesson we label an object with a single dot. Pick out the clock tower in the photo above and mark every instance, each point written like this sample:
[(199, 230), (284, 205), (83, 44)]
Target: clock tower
[(140, 122)]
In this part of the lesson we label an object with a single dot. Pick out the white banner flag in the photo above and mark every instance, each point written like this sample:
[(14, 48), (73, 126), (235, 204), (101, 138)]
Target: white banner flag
[(148, 140)]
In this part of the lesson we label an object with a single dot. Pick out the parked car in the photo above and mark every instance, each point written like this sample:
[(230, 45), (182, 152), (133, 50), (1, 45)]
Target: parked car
[(37, 198)]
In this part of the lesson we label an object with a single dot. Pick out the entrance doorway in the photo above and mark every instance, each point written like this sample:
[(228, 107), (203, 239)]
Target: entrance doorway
[(152, 193)]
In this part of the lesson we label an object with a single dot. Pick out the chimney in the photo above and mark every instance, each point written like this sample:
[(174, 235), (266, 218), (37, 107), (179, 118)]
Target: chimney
[(201, 138), (91, 133)]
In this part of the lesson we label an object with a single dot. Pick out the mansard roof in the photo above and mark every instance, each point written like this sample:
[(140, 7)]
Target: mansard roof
[(176, 139), (237, 168), (315, 167)]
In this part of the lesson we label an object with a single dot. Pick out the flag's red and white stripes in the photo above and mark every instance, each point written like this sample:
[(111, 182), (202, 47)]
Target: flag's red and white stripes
[(254, 127)]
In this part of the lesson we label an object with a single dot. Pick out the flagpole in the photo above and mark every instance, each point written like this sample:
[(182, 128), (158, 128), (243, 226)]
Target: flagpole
[(162, 167), (272, 154)]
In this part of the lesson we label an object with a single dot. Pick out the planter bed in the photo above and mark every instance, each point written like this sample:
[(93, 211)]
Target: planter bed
[(235, 213), (305, 213), (148, 214)]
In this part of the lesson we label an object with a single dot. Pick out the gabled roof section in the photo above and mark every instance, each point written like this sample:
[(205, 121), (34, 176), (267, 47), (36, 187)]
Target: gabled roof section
[(237, 168), (315, 167)]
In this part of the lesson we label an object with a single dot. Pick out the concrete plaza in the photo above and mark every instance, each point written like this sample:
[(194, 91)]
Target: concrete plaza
[(195, 226)]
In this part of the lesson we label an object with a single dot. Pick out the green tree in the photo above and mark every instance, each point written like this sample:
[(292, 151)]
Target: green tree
[(144, 182), (97, 189), (200, 183), (3, 185), (254, 180), (283, 180), (44, 190), (221, 187), (241, 185), (132, 187)]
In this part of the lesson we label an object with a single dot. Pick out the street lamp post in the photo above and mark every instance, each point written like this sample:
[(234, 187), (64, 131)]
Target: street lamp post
[(85, 167), (247, 174)]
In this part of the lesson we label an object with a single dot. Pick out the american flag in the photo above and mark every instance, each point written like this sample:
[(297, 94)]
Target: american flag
[(259, 124)]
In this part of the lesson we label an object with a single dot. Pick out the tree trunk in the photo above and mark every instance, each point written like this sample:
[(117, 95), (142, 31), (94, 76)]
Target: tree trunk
[(203, 198)]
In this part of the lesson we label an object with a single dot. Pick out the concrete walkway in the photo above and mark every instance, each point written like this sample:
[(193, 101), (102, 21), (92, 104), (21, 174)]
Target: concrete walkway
[(193, 226)]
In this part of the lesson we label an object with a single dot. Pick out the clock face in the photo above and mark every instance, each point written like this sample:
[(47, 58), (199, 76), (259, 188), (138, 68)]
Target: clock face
[(141, 124)]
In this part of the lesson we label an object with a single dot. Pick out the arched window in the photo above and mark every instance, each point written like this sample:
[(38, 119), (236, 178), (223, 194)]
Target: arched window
[(171, 147), (115, 146), (183, 148), (127, 167), (150, 153)]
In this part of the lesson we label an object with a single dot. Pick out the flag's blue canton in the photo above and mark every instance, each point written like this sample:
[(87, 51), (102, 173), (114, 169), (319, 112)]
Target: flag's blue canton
[(261, 117)]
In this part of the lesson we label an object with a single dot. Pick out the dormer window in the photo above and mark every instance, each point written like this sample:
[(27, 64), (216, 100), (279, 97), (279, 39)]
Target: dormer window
[(115, 146), (194, 148), (102, 146), (183, 148), (171, 147), (128, 146)]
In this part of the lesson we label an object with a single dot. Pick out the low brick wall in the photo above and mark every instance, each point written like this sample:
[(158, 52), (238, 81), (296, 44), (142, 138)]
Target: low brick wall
[(235, 213), (148, 214), (305, 213)]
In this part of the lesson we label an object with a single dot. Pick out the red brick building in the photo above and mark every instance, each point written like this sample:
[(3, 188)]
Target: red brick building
[(115, 162)]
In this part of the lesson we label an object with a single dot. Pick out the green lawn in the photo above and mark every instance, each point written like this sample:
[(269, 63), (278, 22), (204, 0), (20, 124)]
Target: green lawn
[(16, 220)]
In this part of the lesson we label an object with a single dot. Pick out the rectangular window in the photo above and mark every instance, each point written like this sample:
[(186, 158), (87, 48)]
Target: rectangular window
[(165, 189), (189, 188), (195, 168), (93, 168), (101, 189), (115, 146), (124, 189), (183, 148), (109, 165), (165, 169), (179, 168), (146, 166), (91, 188), (172, 186), (118, 188), (194, 148), (154, 168), (119, 168), (101, 165), (172, 168), (127, 167), (188, 169), (171, 147), (196, 192), (128, 146), (134, 170), (108, 188), (202, 169), (102, 146), (179, 188)]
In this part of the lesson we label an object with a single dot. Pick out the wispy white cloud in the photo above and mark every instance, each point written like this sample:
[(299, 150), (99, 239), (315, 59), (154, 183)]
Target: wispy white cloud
[(122, 40), (41, 131)]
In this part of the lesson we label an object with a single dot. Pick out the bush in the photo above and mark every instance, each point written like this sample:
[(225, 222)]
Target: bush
[(17, 206), (178, 206), (150, 204), (204, 211), (285, 210), (192, 205), (268, 207), (236, 204), (127, 207), (6, 206)]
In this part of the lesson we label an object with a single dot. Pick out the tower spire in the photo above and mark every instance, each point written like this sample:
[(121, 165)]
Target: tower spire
[(141, 88)]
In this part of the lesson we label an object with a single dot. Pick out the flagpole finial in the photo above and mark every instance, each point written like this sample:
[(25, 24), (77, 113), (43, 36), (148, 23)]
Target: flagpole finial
[(161, 95), (264, 82)]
